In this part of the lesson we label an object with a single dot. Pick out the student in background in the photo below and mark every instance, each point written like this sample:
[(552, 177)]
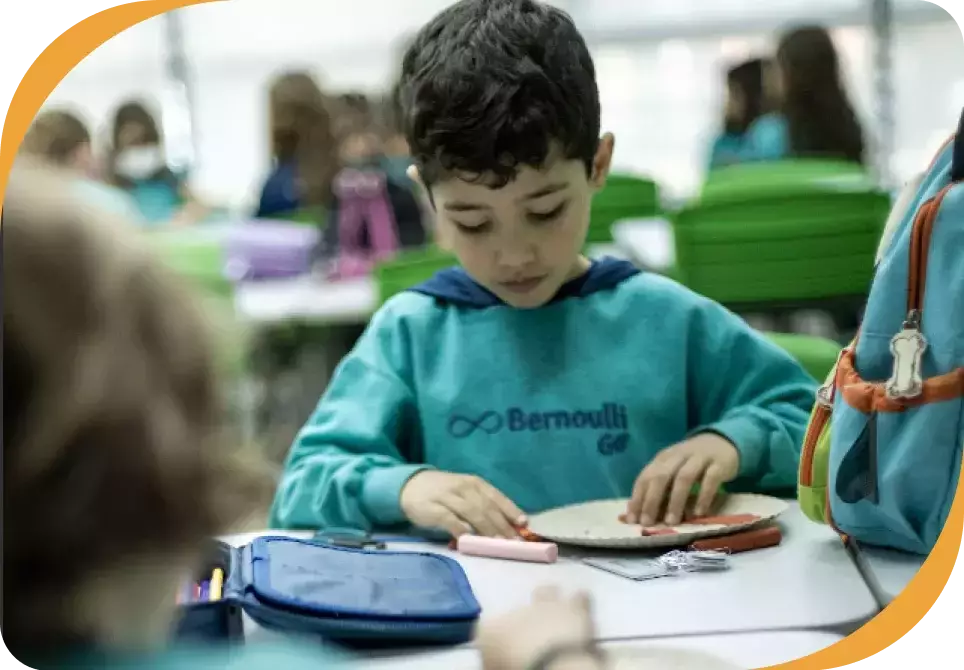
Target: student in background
[(303, 148), (362, 187), (815, 118), (61, 139), (138, 165), (744, 105), (117, 466), (531, 377)]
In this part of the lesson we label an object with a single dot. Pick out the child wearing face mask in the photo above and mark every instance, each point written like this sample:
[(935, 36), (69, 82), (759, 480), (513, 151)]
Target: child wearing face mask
[(61, 139), (138, 165), (117, 466)]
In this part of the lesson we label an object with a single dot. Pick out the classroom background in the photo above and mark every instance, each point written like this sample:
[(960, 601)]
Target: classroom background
[(204, 74)]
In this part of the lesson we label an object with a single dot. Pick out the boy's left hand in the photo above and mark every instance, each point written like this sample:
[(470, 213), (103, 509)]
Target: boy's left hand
[(665, 484)]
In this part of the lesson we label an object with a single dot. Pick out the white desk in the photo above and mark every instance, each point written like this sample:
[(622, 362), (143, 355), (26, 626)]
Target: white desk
[(746, 650), (649, 242), (307, 299), (887, 571), (329, 303), (809, 582)]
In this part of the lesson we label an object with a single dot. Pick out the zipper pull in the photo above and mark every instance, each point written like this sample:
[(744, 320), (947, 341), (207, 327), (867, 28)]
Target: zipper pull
[(825, 395), (907, 347)]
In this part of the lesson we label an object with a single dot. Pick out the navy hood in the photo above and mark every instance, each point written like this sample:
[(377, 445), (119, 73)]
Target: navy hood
[(456, 287)]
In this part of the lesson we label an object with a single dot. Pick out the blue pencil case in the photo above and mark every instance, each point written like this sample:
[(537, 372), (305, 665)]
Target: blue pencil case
[(355, 597)]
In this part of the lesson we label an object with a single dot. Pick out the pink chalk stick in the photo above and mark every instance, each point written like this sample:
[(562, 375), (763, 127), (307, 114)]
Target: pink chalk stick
[(514, 550)]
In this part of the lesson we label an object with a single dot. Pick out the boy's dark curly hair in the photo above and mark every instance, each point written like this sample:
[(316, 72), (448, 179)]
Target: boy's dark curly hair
[(491, 85)]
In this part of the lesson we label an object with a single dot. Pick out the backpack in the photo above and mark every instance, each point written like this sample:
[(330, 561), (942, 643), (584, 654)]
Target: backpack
[(371, 220), (882, 453)]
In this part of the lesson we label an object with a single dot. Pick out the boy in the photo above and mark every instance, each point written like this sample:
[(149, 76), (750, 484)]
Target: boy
[(530, 377)]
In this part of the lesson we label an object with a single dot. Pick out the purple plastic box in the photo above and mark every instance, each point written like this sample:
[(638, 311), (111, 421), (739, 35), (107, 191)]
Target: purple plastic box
[(270, 250)]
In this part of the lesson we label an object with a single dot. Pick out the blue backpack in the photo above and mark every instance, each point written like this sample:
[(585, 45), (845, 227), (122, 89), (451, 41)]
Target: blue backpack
[(897, 395)]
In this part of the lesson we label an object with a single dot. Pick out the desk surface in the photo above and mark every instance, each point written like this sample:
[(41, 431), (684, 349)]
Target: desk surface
[(307, 299), (649, 242), (744, 650), (809, 582), (887, 571), (312, 299)]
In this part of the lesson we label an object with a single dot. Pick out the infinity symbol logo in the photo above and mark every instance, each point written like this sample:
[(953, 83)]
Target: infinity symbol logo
[(462, 426)]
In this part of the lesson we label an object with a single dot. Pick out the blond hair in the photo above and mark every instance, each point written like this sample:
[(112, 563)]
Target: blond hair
[(55, 136), (114, 440)]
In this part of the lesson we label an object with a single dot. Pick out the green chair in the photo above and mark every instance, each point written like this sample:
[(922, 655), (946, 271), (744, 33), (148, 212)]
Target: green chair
[(409, 268), (815, 354), (783, 178), (624, 197), (197, 255), (793, 235)]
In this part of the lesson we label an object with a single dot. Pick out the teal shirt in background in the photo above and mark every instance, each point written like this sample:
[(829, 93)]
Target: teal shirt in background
[(767, 139), (159, 200), (110, 199), (726, 150), (553, 406)]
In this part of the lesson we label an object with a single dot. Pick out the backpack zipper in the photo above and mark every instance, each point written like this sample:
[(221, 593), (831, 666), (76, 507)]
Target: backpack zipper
[(906, 381), (822, 411)]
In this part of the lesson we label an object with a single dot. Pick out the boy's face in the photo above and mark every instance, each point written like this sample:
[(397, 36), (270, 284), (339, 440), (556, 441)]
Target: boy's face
[(522, 241)]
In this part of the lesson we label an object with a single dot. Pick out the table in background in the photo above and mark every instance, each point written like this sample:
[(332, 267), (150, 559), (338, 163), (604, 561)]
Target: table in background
[(886, 571), (648, 242), (314, 300), (745, 650), (809, 582), (307, 299)]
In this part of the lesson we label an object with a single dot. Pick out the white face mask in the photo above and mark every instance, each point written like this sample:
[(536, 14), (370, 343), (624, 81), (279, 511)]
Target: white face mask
[(139, 162)]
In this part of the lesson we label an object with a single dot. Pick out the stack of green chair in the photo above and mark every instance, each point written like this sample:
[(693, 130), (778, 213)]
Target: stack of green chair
[(794, 234), (816, 355), (624, 197), (197, 254), (410, 268)]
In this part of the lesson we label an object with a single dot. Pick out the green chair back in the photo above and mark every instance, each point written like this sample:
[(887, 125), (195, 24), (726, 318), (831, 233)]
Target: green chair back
[(785, 178), (804, 232), (197, 255), (410, 268), (815, 354), (624, 197)]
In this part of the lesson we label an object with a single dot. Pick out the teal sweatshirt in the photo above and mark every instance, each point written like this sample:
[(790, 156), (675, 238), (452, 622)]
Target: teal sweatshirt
[(555, 405), (251, 656)]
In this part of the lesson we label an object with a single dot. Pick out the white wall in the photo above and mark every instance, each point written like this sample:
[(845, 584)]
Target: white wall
[(661, 95), (130, 65)]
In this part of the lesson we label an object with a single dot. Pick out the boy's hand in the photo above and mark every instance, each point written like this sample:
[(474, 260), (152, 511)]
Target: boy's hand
[(707, 459), (518, 639), (459, 504)]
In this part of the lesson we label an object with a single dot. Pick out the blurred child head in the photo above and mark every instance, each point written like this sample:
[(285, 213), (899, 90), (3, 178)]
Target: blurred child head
[(807, 85), (744, 95), (301, 133), (502, 116), (62, 139), (356, 131), (115, 463), (136, 151)]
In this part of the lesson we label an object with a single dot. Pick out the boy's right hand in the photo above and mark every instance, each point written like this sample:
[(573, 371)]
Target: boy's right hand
[(459, 504)]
